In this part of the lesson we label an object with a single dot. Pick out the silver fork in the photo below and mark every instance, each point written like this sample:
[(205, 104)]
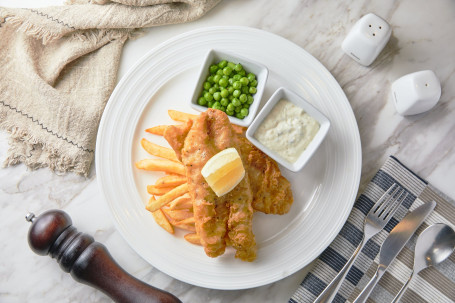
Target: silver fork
[(379, 215)]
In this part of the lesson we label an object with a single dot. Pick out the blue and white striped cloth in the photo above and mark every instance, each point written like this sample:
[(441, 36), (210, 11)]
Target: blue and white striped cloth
[(436, 284)]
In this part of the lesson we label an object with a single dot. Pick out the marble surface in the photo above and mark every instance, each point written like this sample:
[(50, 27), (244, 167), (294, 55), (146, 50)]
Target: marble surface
[(423, 38)]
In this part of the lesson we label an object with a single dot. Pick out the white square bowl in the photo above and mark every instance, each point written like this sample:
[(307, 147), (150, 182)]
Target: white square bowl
[(261, 72), (283, 93)]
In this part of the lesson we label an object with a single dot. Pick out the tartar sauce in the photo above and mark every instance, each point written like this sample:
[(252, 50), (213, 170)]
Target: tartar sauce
[(287, 130)]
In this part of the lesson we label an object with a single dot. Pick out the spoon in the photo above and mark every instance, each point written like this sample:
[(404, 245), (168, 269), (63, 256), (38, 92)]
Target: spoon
[(435, 244)]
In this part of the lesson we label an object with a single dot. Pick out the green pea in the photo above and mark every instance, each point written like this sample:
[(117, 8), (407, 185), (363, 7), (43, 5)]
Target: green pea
[(208, 97), (241, 73), (231, 81), (245, 90), (231, 65), (227, 70), (212, 90), (224, 101), (239, 115), (216, 86), (213, 69), (222, 108), (207, 85), (223, 82), (210, 104), (236, 93), (210, 79), (230, 113), (222, 64), (237, 77), (201, 101), (237, 85), (254, 83), (238, 67), (253, 90), (237, 109), (244, 81), (236, 102), (217, 105), (251, 77), (230, 107), (244, 112), (230, 97), (224, 93), (243, 98), (217, 96), (250, 99), (216, 78), (230, 89)]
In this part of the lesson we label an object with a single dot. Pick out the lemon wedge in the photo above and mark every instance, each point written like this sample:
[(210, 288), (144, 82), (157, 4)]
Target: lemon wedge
[(224, 171)]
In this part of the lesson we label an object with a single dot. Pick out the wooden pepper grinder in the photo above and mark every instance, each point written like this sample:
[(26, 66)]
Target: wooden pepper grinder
[(88, 261)]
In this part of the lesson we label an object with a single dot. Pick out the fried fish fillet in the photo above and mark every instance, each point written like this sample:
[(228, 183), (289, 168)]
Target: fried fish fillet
[(227, 218), (216, 218), (272, 192)]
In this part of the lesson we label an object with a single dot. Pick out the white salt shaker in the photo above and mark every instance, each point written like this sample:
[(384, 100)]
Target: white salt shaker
[(416, 93), (367, 39)]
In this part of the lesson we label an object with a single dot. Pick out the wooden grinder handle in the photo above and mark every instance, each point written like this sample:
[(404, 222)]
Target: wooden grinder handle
[(87, 261)]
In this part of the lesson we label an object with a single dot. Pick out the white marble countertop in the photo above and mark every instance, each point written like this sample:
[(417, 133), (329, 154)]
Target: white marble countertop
[(423, 38)]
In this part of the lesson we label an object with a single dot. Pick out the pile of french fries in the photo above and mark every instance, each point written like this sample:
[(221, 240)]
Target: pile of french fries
[(170, 204)]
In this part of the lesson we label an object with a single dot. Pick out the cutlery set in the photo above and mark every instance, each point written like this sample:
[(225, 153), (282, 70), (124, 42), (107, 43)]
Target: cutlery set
[(434, 245)]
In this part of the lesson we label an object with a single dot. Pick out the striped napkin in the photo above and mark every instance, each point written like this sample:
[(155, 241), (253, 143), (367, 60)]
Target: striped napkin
[(436, 284)]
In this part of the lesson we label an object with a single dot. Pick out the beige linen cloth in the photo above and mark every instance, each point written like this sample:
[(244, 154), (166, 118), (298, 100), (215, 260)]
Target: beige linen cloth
[(58, 67)]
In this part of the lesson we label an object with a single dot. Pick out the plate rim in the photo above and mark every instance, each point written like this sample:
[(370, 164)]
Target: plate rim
[(134, 67)]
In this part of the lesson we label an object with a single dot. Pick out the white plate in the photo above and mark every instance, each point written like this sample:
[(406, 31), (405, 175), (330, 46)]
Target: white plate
[(324, 191)]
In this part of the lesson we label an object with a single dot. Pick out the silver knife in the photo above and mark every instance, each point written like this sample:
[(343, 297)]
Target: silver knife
[(395, 242)]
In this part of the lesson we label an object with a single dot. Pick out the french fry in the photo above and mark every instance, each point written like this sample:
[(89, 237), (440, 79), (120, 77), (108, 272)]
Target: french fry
[(179, 224), (189, 227), (158, 150), (182, 202), (162, 221), (193, 238), (171, 174), (157, 130), (158, 191), (170, 180), (178, 215), (189, 220), (180, 116), (167, 197), (161, 165)]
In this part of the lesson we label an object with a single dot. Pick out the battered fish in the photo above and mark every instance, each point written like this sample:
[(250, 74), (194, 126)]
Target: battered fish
[(228, 218), (215, 217), (272, 192)]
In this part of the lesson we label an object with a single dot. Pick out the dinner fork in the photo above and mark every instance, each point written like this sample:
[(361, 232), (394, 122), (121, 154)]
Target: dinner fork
[(379, 215)]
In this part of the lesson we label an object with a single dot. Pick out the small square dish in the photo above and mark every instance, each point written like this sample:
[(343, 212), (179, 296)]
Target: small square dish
[(261, 72), (288, 129)]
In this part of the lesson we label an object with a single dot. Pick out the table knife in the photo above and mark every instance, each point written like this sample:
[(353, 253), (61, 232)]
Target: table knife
[(395, 242)]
